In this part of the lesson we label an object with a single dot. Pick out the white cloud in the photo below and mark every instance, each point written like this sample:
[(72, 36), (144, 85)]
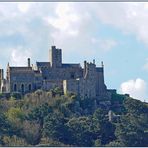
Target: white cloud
[(136, 88), (128, 17), (19, 57), (74, 27), (66, 20), (24, 7), (69, 25)]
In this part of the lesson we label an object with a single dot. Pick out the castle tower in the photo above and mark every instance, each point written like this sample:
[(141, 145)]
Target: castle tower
[(100, 86), (55, 57), (88, 84), (89, 70)]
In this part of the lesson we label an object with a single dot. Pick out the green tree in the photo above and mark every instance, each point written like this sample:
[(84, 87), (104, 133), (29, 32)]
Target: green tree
[(130, 133), (80, 131), (6, 129), (55, 128), (15, 114), (106, 133), (13, 141), (39, 113), (31, 131)]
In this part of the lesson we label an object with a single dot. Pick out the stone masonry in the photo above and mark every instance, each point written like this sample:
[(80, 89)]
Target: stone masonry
[(85, 82)]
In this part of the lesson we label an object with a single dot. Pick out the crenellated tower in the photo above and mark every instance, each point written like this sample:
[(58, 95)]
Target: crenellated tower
[(55, 57)]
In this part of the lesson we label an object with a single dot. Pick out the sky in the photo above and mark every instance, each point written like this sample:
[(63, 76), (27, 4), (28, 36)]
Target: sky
[(112, 32)]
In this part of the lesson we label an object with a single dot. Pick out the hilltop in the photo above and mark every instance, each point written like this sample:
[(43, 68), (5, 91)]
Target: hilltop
[(49, 118)]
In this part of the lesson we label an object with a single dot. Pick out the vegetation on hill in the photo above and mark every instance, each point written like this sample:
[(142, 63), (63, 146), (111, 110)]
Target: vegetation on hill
[(52, 119)]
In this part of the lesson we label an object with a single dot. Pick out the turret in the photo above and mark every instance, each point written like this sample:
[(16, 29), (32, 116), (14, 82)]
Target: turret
[(100, 85), (89, 70), (8, 72), (55, 57), (84, 72)]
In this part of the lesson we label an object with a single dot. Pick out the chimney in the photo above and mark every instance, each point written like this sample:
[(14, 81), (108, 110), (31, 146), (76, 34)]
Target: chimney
[(93, 61), (28, 62), (1, 74), (102, 64)]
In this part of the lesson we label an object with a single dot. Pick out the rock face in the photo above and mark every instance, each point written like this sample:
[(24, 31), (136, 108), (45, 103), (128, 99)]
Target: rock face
[(85, 82)]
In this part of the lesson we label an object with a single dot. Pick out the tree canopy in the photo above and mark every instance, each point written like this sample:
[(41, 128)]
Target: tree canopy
[(49, 118)]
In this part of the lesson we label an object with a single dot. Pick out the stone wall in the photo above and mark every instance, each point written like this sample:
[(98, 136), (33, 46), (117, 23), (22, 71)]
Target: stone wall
[(86, 82), (71, 86), (90, 85), (21, 80), (49, 84)]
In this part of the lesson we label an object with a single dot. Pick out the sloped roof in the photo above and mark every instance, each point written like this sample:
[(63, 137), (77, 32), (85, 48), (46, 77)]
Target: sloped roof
[(43, 64)]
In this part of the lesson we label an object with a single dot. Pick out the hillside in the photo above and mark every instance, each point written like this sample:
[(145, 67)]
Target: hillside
[(52, 119)]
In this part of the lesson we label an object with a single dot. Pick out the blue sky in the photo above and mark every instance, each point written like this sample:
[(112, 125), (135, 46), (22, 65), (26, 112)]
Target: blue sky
[(116, 33)]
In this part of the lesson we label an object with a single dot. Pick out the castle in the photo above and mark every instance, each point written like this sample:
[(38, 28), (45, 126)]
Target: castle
[(85, 82)]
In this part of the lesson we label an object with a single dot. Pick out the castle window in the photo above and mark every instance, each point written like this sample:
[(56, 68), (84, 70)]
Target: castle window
[(29, 87), (72, 76), (22, 88), (15, 87)]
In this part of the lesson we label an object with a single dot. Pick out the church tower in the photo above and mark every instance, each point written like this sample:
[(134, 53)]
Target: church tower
[(55, 57)]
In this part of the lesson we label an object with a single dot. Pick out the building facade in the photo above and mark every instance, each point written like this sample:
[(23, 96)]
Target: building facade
[(85, 82)]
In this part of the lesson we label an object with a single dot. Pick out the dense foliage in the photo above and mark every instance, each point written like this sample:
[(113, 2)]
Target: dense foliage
[(52, 119)]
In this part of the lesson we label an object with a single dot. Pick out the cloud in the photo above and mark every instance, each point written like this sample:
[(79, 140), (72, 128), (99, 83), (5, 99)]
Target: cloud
[(130, 18), (19, 57), (66, 20), (136, 88), (23, 7), (74, 27), (69, 26)]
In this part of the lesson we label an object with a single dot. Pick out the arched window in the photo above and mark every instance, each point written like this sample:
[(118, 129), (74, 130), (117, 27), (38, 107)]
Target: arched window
[(29, 87), (15, 87), (22, 88)]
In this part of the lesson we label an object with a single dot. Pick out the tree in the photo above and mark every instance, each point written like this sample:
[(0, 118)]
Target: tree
[(31, 132), (107, 129), (80, 131), (134, 106), (130, 134), (97, 143), (13, 141), (55, 128), (39, 113), (15, 114), (6, 128), (132, 128)]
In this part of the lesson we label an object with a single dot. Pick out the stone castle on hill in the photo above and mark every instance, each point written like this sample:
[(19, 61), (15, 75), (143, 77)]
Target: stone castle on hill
[(85, 82)]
